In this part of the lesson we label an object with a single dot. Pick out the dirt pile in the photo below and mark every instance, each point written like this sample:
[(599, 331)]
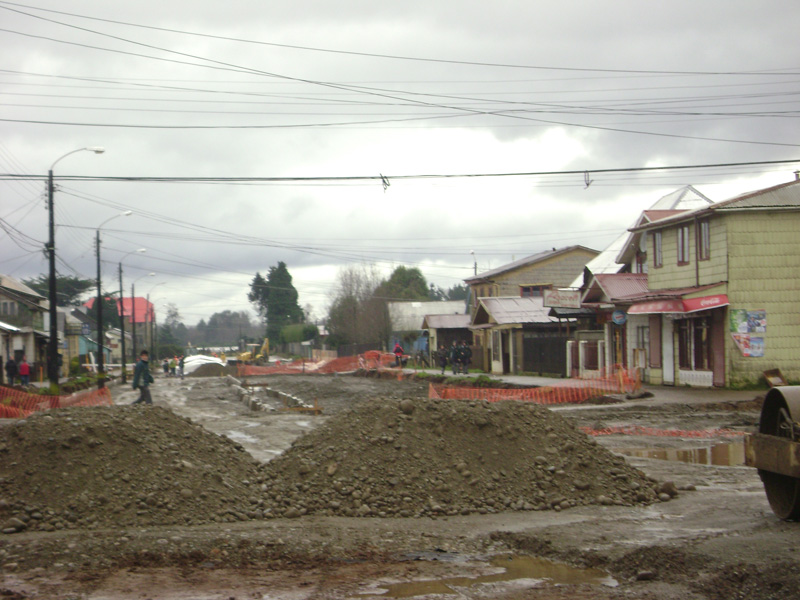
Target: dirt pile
[(429, 458), (119, 466)]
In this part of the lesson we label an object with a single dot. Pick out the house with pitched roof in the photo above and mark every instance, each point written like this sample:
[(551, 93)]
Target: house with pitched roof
[(23, 313), (723, 301), (501, 347)]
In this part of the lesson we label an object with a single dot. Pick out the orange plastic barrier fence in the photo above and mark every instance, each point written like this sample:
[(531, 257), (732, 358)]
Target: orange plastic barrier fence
[(639, 430), (368, 361), (573, 391), (16, 404)]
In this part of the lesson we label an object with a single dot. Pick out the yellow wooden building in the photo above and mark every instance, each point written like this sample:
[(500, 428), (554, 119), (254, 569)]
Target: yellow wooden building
[(723, 304)]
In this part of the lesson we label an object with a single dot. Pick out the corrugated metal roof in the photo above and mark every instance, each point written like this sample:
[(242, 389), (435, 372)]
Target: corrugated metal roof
[(618, 286), (507, 311), (446, 321), (7, 327), (786, 195), (17, 286), (685, 198), (408, 316)]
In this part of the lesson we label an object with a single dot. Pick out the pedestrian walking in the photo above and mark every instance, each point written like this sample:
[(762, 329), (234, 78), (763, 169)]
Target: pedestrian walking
[(173, 364), (441, 357), (11, 370), (165, 366), (398, 354), (24, 371), (142, 378), (453, 356), (465, 356), (181, 365)]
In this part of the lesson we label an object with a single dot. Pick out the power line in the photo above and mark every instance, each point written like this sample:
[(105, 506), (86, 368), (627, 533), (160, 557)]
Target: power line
[(771, 72), (340, 178)]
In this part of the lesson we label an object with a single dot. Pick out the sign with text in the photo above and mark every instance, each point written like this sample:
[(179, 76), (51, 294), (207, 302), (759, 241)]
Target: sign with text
[(562, 298)]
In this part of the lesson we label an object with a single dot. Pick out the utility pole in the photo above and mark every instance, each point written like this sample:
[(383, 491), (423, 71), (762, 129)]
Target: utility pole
[(101, 371), (52, 344), (122, 326)]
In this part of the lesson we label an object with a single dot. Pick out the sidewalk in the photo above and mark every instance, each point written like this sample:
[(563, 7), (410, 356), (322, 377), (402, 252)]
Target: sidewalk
[(663, 394)]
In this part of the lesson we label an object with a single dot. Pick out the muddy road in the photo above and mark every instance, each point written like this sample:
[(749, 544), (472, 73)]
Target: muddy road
[(717, 538)]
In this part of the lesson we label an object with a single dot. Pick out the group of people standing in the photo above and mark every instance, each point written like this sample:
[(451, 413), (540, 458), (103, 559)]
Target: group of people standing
[(21, 370), (173, 367), (459, 355)]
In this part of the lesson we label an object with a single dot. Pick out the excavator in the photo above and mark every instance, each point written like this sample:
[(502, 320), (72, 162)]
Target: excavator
[(254, 353)]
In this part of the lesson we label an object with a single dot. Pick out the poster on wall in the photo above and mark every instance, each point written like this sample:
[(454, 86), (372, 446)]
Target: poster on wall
[(748, 321), (744, 324), (749, 345)]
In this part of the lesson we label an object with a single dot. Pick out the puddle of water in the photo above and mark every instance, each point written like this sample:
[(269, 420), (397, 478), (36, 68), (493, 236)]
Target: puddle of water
[(515, 568), (725, 454), (238, 436)]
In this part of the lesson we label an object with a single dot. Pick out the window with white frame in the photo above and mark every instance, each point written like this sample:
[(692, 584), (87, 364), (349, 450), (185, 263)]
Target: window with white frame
[(704, 239), (683, 245)]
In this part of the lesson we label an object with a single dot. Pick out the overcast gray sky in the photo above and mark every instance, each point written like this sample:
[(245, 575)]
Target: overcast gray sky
[(284, 116)]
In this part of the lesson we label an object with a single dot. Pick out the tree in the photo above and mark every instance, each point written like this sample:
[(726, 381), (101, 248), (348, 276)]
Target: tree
[(405, 283), (458, 292), (110, 312), (356, 314), (69, 289), (276, 299)]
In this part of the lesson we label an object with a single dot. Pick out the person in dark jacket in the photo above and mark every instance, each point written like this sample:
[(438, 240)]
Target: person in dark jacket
[(464, 356), (441, 357), (11, 371), (453, 356), (142, 378)]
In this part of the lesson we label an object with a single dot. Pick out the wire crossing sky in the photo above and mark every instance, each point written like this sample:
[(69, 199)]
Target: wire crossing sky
[(326, 135)]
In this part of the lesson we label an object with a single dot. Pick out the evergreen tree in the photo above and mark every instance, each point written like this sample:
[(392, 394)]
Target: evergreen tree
[(69, 289), (276, 300)]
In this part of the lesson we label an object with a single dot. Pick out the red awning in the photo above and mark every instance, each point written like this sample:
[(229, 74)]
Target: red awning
[(705, 303), (690, 305)]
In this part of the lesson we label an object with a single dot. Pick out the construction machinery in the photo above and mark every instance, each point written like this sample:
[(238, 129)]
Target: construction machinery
[(775, 451), (254, 353)]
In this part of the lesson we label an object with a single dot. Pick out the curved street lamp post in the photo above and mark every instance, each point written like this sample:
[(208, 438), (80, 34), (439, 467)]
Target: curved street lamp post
[(52, 344), (101, 373)]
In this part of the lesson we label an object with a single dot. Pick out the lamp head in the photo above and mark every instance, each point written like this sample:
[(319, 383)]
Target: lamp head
[(96, 149)]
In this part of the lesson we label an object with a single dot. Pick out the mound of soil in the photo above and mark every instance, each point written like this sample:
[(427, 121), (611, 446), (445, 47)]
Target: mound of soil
[(429, 458), (119, 466)]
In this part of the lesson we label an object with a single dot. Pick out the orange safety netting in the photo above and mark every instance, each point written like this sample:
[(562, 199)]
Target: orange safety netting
[(370, 360), (16, 404), (573, 391), (639, 430)]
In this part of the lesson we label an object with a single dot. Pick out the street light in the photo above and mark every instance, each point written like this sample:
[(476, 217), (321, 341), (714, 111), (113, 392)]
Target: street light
[(122, 314), (101, 373), (133, 309), (50, 248)]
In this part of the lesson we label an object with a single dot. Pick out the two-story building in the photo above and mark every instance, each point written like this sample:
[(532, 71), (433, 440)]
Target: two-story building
[(23, 311), (723, 304), (512, 335)]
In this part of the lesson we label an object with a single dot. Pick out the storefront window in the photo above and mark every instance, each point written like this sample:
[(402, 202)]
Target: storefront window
[(694, 349)]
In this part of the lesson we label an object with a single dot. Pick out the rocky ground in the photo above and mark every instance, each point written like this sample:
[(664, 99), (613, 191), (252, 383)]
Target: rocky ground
[(384, 493)]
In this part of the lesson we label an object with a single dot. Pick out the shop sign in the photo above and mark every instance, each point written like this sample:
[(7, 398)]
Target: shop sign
[(562, 298)]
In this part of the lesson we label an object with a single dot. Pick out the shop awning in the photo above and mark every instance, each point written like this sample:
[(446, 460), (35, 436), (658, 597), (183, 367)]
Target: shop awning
[(674, 305)]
